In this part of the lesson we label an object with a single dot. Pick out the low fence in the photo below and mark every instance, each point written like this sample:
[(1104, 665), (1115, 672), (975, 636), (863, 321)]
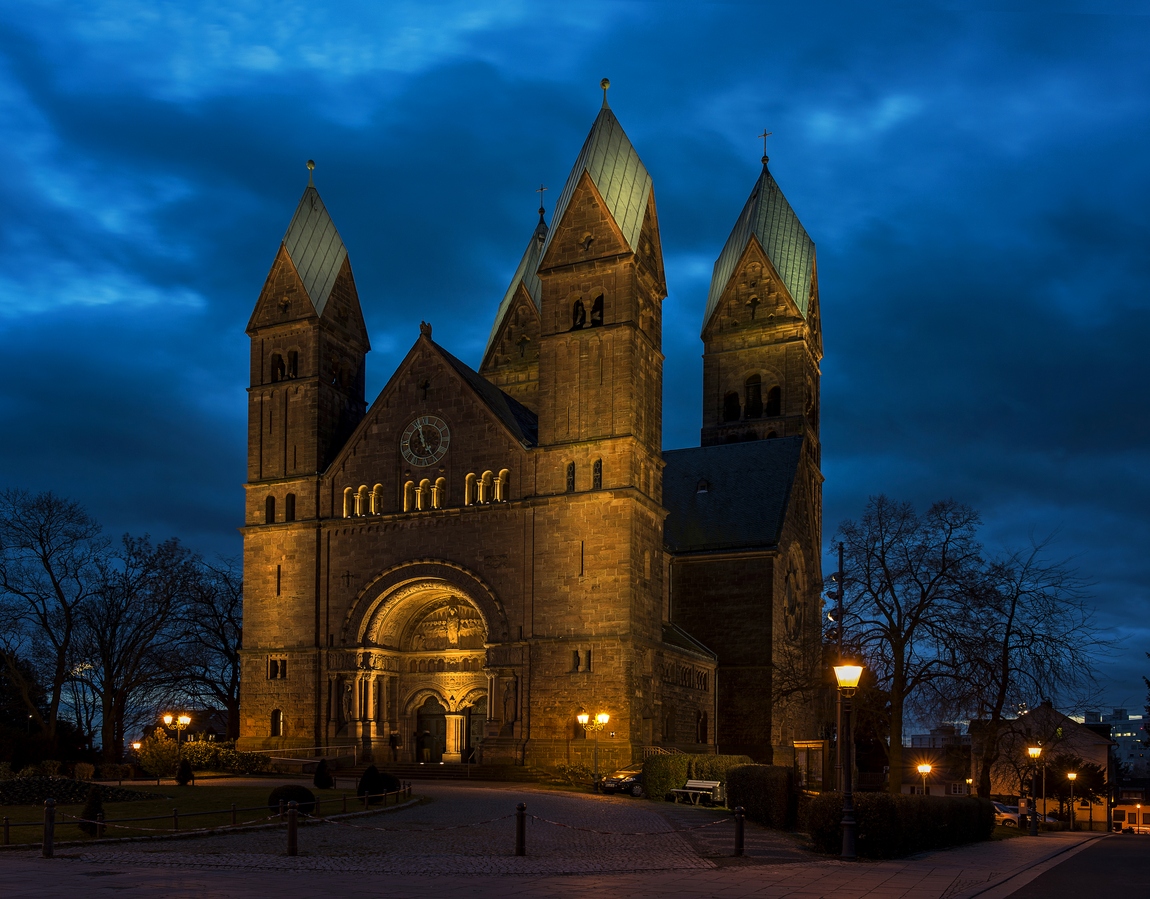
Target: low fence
[(290, 815)]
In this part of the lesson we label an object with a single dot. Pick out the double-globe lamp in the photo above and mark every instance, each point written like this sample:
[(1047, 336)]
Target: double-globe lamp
[(848, 678)]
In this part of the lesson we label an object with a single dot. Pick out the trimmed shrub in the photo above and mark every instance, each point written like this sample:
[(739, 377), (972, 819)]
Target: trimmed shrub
[(6, 772), (84, 771), (159, 755), (93, 807), (29, 771), (766, 792), (50, 768), (375, 783), (301, 795), (714, 767), (892, 826), (664, 773), (322, 780), (184, 773)]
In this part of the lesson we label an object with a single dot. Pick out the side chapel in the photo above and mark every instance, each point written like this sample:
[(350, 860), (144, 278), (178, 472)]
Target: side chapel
[(483, 554)]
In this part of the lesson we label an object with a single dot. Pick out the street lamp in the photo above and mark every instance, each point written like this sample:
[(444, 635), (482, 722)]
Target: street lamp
[(924, 770), (1072, 776), (595, 726), (1138, 817), (969, 783), (848, 678), (178, 722), (1034, 752)]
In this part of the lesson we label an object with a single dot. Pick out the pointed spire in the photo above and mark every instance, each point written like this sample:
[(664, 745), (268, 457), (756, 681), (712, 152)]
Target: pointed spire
[(314, 245), (769, 218), (527, 274), (617, 172)]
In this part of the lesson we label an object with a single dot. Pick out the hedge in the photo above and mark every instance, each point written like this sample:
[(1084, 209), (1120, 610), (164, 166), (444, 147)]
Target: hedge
[(664, 773), (892, 826), (766, 792)]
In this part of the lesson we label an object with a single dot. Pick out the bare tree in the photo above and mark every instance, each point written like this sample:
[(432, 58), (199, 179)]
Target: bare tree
[(129, 631), (1027, 634), (905, 577), (50, 549), (211, 637)]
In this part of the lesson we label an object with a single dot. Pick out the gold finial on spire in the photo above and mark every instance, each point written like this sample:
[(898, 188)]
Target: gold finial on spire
[(764, 136), (605, 83), (539, 190), (310, 169)]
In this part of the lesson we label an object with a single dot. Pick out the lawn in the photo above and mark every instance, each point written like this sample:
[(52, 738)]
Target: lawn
[(195, 807)]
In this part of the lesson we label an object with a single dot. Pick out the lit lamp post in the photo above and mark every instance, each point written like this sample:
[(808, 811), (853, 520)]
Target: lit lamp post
[(595, 726), (969, 784), (1072, 776), (848, 678), (1138, 817), (178, 722), (1034, 752), (924, 770)]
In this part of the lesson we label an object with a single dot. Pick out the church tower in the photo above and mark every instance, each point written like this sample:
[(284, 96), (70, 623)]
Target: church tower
[(762, 342), (308, 343)]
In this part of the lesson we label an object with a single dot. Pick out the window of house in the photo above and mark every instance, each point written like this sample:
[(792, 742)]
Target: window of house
[(270, 510), (279, 370), (597, 311), (277, 669), (277, 728), (501, 484), (731, 409), (293, 364), (469, 490), (753, 397), (578, 315), (774, 402), (289, 507), (597, 475), (348, 502), (570, 477), (439, 494)]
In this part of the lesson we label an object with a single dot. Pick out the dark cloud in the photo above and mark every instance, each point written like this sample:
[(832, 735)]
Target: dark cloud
[(975, 181)]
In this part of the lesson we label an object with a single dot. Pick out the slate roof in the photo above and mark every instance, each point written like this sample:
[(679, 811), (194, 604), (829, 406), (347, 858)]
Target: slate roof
[(526, 274), (768, 217), (315, 248), (748, 486), (676, 636), (618, 174), (520, 420)]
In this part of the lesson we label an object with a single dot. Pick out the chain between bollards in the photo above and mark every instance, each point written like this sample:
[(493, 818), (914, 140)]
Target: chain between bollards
[(49, 827), (739, 830), (521, 829), (293, 827)]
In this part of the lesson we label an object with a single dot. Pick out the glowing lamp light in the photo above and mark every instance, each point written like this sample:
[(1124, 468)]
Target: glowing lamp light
[(583, 718), (602, 718), (136, 746), (1073, 775), (848, 676), (185, 720), (924, 770), (167, 719), (1034, 751)]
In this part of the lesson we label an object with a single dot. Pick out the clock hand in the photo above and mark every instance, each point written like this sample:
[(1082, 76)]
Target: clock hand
[(422, 439)]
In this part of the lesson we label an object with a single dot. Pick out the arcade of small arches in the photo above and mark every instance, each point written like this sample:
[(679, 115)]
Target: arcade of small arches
[(755, 403), (426, 494)]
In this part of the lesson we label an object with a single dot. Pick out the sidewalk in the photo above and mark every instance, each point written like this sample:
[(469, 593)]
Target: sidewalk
[(577, 845)]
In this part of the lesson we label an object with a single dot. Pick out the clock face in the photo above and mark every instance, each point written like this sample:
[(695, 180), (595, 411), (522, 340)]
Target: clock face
[(425, 440)]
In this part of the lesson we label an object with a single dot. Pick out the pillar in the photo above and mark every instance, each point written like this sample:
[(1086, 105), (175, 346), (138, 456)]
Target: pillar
[(456, 738)]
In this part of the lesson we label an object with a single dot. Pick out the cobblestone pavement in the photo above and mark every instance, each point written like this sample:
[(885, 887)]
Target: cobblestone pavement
[(418, 861)]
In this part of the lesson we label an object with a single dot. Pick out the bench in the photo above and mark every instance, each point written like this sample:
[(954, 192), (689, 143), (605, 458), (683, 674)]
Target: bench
[(696, 790)]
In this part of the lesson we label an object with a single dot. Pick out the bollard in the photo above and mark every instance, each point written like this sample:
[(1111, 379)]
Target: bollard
[(175, 819), (5, 830), (293, 825), (738, 830), (521, 829), (49, 827), (235, 820), (99, 825), (315, 811), (366, 796), (283, 809)]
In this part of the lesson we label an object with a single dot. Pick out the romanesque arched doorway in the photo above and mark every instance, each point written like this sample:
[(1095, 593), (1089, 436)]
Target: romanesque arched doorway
[(419, 691)]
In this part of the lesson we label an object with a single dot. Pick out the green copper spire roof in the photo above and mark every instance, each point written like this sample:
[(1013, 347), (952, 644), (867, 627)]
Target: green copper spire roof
[(769, 218), (617, 172), (315, 248), (526, 274)]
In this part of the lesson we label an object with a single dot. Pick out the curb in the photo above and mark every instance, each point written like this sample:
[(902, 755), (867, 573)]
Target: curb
[(991, 889)]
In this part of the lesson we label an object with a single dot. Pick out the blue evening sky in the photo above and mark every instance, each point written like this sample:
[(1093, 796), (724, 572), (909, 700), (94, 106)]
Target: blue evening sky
[(975, 176)]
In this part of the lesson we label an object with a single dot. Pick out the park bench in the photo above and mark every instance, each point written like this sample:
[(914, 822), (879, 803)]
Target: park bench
[(696, 790)]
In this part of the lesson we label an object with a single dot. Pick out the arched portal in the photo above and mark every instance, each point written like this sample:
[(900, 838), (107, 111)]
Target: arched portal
[(419, 672)]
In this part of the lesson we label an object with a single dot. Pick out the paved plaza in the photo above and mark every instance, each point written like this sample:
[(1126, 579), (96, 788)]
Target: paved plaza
[(577, 845)]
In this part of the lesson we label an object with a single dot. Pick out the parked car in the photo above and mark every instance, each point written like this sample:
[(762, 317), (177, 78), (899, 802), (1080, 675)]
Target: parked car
[(1007, 815), (629, 780)]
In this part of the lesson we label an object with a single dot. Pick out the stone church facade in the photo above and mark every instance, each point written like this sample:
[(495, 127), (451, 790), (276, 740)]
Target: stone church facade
[(481, 555)]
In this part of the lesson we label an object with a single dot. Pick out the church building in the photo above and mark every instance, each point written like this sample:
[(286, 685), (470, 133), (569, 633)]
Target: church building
[(483, 555)]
